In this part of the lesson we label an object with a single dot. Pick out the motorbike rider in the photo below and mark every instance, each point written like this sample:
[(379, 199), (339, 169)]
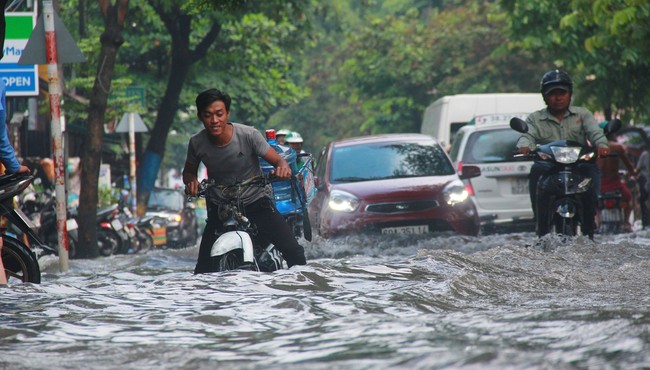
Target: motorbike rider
[(281, 136), (611, 180), (230, 153), (294, 139), (561, 121)]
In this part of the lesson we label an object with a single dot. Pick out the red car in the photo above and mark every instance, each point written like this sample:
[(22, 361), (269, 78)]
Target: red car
[(393, 183)]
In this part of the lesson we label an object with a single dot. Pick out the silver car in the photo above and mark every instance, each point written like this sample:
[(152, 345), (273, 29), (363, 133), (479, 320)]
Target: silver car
[(501, 191)]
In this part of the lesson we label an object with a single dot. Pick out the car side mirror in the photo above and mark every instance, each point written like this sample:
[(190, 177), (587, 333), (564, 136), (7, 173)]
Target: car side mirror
[(317, 183), (190, 205), (469, 172), (518, 125)]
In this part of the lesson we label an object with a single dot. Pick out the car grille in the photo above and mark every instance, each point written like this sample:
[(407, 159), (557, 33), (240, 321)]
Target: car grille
[(401, 207)]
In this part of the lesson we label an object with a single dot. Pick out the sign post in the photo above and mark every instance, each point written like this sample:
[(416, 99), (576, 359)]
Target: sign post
[(44, 47), (132, 122), (55, 90)]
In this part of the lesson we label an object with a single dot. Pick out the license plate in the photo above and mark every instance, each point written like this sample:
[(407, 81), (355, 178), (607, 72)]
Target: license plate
[(419, 229), (519, 185), (71, 224), (117, 225)]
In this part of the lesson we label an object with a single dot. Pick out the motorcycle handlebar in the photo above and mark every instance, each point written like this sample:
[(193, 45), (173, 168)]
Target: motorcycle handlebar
[(262, 180)]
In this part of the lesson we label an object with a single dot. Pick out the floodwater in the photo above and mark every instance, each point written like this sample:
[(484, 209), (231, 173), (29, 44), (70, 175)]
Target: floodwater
[(418, 302)]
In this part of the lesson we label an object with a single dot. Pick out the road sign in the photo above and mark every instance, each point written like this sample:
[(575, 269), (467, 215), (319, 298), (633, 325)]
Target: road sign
[(138, 124), (21, 80)]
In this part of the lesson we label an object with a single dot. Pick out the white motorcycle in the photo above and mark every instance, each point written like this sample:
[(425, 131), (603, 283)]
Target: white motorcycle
[(240, 246)]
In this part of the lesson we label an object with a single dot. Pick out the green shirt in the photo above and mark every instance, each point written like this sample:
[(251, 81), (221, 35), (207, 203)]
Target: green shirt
[(578, 124)]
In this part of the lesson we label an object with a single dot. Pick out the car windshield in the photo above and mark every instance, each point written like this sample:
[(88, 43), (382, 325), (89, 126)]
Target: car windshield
[(491, 146), (387, 161), (165, 199)]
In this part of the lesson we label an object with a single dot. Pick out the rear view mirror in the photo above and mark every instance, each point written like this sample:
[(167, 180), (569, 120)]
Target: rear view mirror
[(469, 172), (518, 125)]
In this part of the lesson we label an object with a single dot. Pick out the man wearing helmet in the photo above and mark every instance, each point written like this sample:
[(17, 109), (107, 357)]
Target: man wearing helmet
[(294, 140), (561, 121), (281, 135)]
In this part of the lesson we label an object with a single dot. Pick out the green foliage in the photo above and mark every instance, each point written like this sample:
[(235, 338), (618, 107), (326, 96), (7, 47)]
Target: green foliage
[(106, 197), (603, 44), (396, 58)]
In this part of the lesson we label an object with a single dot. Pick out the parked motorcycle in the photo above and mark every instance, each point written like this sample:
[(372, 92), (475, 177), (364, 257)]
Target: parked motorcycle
[(111, 238), (20, 262), (563, 190), (239, 246), (140, 241), (40, 207)]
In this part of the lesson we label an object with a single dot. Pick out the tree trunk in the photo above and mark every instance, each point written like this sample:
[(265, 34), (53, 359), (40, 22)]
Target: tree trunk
[(179, 26), (111, 40)]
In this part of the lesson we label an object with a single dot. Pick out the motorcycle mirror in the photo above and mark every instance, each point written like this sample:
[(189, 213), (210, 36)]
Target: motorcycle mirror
[(613, 126), (518, 125)]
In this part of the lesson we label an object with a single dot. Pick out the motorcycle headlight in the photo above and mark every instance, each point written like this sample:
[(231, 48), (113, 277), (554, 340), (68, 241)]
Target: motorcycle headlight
[(343, 201), (455, 193), (565, 155)]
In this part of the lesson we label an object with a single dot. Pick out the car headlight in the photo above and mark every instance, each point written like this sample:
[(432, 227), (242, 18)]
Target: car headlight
[(175, 218), (343, 201), (565, 155), (455, 193)]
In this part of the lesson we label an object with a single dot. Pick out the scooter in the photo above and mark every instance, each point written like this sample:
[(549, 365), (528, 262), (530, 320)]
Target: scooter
[(563, 191), (239, 246), (612, 213)]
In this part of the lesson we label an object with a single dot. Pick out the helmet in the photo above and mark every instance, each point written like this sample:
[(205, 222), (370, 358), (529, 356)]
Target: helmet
[(282, 132), (556, 79), (293, 137)]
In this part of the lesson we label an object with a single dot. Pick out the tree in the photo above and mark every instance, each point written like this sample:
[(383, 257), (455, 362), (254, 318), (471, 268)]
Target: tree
[(392, 63), (114, 15), (603, 45), (250, 60), (183, 56)]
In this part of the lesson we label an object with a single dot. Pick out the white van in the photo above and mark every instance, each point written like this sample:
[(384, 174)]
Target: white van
[(444, 117)]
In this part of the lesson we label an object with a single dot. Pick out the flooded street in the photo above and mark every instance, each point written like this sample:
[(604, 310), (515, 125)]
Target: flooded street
[(493, 302)]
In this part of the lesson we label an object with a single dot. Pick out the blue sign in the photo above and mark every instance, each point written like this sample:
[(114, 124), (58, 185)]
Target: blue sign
[(21, 80)]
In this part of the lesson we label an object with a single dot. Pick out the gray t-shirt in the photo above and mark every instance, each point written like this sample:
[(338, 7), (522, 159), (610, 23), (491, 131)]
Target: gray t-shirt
[(236, 161)]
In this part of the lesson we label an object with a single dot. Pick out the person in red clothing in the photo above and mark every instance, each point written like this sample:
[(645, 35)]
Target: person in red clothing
[(611, 180)]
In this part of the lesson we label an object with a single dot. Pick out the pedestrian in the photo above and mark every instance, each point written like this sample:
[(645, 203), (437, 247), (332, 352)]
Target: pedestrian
[(230, 153)]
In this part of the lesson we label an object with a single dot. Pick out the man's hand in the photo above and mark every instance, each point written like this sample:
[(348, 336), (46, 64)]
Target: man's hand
[(24, 169), (192, 187), (523, 150), (282, 173), (603, 151)]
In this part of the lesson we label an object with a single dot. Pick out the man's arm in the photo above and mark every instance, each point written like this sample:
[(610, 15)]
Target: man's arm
[(282, 169)]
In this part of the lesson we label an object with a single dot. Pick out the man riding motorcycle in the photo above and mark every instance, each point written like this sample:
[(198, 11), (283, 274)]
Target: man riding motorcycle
[(561, 121)]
